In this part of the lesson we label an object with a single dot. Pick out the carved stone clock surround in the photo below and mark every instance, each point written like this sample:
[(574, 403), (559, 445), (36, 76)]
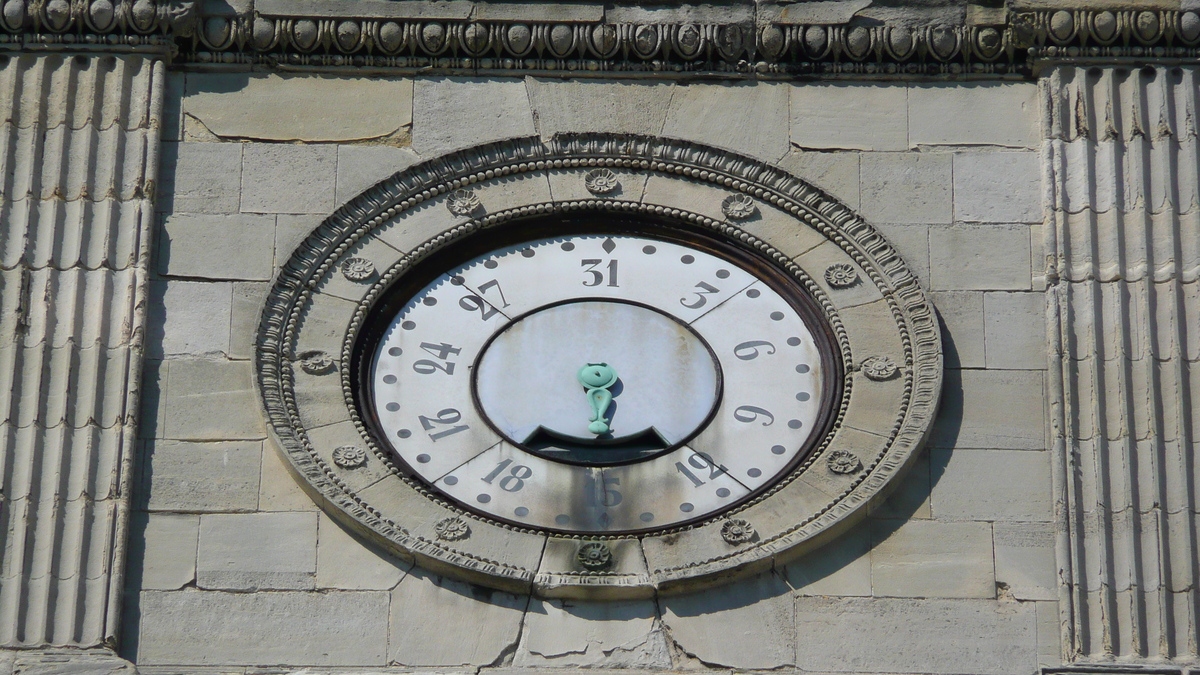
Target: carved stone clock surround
[(883, 324)]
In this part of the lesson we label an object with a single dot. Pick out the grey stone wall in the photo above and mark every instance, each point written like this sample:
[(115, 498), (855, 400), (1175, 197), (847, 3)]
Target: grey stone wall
[(956, 574)]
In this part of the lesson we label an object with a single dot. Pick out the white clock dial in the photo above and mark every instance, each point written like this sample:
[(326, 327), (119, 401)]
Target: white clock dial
[(599, 383)]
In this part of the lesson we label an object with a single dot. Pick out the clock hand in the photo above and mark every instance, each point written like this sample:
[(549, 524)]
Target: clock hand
[(596, 378)]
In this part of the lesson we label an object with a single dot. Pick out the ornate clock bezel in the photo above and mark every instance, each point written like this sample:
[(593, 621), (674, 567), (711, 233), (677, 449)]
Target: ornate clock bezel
[(884, 327)]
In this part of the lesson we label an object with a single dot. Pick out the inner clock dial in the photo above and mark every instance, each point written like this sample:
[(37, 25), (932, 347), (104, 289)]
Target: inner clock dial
[(598, 383)]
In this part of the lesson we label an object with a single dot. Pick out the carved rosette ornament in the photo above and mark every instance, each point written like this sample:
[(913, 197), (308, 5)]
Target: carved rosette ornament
[(594, 555), (601, 181), (841, 275), (316, 362), (737, 531), (738, 207), (358, 269), (843, 462), (349, 456), (463, 202), (879, 368), (657, 548), (452, 529)]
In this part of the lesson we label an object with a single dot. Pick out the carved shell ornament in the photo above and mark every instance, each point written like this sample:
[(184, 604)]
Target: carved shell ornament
[(452, 529), (415, 408), (601, 181), (594, 555), (463, 202), (349, 456)]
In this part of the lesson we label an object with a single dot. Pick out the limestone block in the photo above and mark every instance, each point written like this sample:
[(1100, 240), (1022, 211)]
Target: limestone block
[(961, 314), (947, 637), (324, 321), (200, 177), (379, 253), (1049, 634), (828, 254), (1010, 485), (172, 114), (188, 318), (361, 166), (68, 662), (290, 230), (691, 195), (564, 633), (319, 395), (347, 628), (751, 119), (281, 178), (568, 185), (850, 116), (151, 419), (1025, 564), (998, 187), (278, 489), (910, 498), (840, 568), (217, 247), (212, 400), (257, 551), (167, 550), (418, 225), (932, 559), (911, 241), (202, 477), (455, 112), (560, 574), (906, 187), (980, 258), (783, 231), (348, 562), (1004, 114), (991, 409), (273, 107), (834, 172), (328, 438), (1015, 330), (248, 299), (748, 624), (440, 622), (620, 106)]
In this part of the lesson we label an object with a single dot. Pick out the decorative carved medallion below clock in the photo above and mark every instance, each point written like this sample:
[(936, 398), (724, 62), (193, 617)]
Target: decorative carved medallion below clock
[(634, 376)]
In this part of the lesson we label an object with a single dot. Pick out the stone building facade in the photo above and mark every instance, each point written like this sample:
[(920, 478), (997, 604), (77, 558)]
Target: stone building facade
[(171, 170)]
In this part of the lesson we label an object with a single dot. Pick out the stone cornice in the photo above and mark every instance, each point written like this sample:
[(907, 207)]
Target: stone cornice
[(813, 39)]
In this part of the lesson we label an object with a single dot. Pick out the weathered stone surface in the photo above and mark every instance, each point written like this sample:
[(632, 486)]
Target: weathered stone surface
[(749, 624), (1012, 485), (850, 116), (188, 318), (203, 477), (346, 628), (751, 119), (212, 400), (345, 561), (911, 241), (962, 324), (278, 490), (932, 559), (998, 187), (877, 635), (564, 633), (217, 247), (166, 550), (991, 409), (474, 625), (361, 166), (200, 177), (911, 496), (455, 112), (980, 258), (1015, 325), (172, 115), (834, 172), (248, 298), (634, 107), (1025, 565), (906, 188), (999, 114), (152, 408), (272, 107), (280, 178), (257, 551), (66, 662), (840, 568)]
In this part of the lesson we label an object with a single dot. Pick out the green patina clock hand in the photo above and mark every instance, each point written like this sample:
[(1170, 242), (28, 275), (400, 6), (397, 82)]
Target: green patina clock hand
[(596, 378)]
